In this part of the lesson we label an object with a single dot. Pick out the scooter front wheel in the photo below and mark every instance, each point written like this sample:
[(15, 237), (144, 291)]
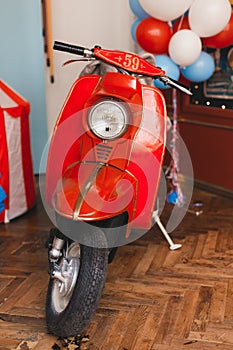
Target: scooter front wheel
[(74, 295)]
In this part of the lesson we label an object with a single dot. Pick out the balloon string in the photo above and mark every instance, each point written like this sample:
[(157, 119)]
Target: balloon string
[(170, 26), (174, 165), (180, 22)]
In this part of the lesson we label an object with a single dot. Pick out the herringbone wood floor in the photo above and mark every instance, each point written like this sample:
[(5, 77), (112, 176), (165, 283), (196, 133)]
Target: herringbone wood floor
[(154, 298)]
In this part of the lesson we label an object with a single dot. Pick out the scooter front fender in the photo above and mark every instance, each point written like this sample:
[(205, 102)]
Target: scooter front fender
[(91, 191)]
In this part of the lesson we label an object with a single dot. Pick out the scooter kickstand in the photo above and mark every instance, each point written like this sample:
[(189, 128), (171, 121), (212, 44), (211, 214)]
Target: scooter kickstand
[(172, 245)]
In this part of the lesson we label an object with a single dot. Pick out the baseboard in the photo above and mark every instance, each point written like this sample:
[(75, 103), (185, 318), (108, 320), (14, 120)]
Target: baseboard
[(220, 191)]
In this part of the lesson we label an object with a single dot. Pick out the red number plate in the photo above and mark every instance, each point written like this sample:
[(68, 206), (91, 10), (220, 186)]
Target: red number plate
[(128, 61)]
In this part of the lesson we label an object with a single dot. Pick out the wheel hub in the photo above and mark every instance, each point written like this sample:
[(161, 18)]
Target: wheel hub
[(65, 277)]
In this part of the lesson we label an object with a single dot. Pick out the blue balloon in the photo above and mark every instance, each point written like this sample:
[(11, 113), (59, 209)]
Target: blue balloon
[(201, 69), (137, 9), (172, 197), (169, 66), (134, 28)]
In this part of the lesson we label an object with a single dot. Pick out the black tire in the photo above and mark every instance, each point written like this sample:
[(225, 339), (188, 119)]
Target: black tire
[(85, 297), (114, 230), (119, 223)]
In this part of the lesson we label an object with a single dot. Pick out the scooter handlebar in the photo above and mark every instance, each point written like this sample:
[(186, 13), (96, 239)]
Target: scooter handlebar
[(82, 51)]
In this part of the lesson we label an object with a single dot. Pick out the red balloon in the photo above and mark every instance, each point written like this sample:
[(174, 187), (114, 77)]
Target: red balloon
[(182, 23), (153, 35), (222, 39)]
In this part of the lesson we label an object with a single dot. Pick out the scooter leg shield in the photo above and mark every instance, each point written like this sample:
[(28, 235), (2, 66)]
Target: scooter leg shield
[(92, 192)]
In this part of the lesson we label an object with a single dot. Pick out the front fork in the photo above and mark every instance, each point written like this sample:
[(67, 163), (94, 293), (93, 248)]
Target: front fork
[(63, 265), (55, 250), (54, 253)]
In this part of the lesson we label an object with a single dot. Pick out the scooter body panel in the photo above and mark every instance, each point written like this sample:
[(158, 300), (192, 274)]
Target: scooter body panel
[(147, 157), (91, 179)]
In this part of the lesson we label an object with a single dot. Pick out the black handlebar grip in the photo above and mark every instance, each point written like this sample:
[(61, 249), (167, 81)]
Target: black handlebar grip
[(60, 46)]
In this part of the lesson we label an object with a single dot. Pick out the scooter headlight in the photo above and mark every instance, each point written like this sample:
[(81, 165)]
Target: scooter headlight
[(108, 119)]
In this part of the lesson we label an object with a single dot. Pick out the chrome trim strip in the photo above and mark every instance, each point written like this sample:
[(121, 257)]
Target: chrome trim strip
[(84, 191)]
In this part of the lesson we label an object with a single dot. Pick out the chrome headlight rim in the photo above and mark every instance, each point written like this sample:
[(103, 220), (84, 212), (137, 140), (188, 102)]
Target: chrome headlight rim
[(119, 106)]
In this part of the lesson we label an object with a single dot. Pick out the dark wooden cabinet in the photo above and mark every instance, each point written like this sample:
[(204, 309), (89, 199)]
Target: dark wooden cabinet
[(208, 135)]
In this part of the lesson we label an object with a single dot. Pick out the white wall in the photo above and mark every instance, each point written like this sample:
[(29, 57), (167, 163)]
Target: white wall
[(85, 23)]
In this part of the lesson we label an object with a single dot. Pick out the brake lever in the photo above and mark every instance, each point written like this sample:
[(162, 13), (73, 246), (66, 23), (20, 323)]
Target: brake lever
[(83, 59), (168, 81)]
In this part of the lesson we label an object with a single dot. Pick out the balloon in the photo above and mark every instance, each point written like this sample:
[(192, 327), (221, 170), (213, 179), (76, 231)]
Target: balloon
[(166, 10), (201, 69), (222, 39), (153, 35), (181, 23), (209, 17), (134, 28), (170, 67), (137, 9), (184, 47)]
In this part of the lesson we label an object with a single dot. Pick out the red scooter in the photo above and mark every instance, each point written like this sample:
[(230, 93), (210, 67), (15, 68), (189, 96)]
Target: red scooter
[(103, 173)]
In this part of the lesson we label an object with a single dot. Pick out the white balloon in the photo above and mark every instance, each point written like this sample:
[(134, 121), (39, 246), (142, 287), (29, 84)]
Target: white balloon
[(184, 47), (166, 10), (209, 17)]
